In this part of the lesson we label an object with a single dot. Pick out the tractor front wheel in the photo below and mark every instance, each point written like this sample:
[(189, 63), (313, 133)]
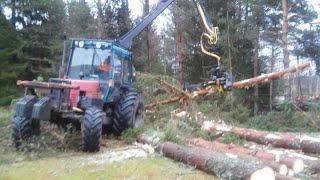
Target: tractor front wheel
[(92, 129), (129, 112), (23, 128)]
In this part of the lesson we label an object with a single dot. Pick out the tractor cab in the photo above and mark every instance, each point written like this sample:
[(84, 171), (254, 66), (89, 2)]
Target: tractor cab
[(98, 66)]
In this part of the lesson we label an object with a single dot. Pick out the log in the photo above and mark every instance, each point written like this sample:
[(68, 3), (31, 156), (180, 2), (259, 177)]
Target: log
[(267, 158), (283, 177), (225, 166), (260, 79), (164, 102), (172, 87), (271, 77), (305, 143), (46, 85), (237, 85)]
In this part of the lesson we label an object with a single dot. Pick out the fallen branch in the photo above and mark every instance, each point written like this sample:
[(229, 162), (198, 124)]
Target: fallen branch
[(304, 143), (167, 101), (225, 166), (172, 87)]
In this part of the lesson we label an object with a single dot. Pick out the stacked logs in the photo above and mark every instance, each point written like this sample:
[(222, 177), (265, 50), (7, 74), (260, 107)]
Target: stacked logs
[(296, 161), (224, 165)]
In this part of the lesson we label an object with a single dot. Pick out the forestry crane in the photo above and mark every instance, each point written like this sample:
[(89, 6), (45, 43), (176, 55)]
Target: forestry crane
[(96, 90)]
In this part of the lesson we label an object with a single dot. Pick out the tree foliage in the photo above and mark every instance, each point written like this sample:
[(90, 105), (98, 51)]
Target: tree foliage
[(31, 37)]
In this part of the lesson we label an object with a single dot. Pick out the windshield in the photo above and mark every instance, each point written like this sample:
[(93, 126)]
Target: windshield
[(90, 64)]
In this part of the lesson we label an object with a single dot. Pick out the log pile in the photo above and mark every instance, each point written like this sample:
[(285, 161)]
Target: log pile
[(304, 143), (294, 161), (224, 165), (279, 164)]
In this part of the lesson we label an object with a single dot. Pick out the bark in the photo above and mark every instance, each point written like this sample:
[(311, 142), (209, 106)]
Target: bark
[(171, 87), (225, 166), (304, 143), (271, 83), (46, 85), (271, 76), (256, 71), (181, 54), (282, 177), (164, 102), (285, 31), (237, 85), (13, 16), (268, 158), (146, 9)]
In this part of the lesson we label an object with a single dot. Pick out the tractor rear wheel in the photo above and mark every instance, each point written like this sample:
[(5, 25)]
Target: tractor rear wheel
[(128, 113), (92, 129), (23, 128)]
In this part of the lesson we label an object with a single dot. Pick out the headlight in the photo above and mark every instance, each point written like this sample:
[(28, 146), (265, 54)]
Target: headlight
[(81, 44)]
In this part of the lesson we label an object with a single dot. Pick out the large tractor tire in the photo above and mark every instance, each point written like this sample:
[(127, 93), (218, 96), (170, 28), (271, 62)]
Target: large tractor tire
[(129, 112), (92, 129), (23, 128)]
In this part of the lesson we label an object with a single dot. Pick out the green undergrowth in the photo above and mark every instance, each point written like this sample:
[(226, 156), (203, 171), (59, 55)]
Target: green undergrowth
[(289, 119), (233, 138), (62, 168)]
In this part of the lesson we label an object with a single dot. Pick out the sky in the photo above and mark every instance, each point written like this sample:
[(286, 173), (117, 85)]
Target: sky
[(136, 9)]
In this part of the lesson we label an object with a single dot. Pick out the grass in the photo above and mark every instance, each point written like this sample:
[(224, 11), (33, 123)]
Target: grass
[(233, 138), (64, 168), (5, 116)]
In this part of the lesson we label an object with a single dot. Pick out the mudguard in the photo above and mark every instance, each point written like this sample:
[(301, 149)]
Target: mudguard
[(24, 106), (42, 109)]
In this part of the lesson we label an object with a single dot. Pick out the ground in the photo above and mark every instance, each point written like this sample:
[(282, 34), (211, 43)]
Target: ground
[(54, 155)]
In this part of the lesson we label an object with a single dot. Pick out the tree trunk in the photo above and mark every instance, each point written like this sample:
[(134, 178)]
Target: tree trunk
[(269, 159), (237, 85), (271, 83), (256, 71), (146, 9), (225, 166), (285, 31), (13, 9), (270, 77), (46, 85), (304, 143), (180, 54)]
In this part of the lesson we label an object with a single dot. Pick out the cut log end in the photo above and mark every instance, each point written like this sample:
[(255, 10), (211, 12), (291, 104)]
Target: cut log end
[(298, 166), (283, 170), (263, 174)]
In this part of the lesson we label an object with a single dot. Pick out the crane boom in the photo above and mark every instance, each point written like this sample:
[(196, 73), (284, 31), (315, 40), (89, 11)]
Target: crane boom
[(127, 39), (209, 38)]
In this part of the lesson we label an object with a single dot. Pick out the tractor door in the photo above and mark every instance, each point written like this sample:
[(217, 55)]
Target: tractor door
[(121, 73)]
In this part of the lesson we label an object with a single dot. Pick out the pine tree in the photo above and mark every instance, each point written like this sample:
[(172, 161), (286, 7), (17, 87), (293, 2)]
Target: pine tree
[(11, 64)]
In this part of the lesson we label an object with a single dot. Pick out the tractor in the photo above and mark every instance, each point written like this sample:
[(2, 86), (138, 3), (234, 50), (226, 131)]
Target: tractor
[(95, 91)]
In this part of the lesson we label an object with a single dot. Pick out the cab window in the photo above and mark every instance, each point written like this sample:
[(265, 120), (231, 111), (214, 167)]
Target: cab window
[(117, 67), (126, 70)]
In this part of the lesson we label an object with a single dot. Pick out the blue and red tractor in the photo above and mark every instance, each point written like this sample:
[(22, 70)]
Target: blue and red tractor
[(95, 93)]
